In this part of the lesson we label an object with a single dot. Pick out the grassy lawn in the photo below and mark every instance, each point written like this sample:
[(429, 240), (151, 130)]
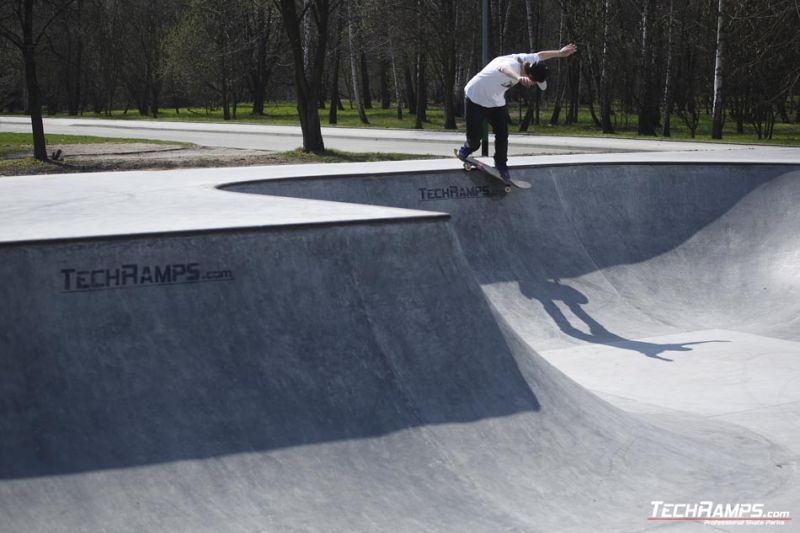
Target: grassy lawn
[(284, 113), (626, 127)]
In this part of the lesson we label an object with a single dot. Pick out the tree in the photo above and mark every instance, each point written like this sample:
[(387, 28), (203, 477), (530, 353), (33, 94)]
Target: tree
[(447, 18), (351, 41), (25, 23), (308, 81), (105, 45), (220, 46), (766, 70), (421, 81), (148, 25), (666, 102), (647, 110), (11, 78), (334, 84), (532, 12), (262, 45), (652, 59), (719, 103)]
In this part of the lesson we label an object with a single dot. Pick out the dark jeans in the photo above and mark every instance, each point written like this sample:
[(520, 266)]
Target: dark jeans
[(474, 116)]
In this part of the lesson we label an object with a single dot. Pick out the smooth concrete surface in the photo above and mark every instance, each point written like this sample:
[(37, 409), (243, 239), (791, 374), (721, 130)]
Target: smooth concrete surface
[(400, 347)]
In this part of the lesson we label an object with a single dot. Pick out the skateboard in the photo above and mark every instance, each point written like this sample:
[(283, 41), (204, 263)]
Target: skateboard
[(471, 163)]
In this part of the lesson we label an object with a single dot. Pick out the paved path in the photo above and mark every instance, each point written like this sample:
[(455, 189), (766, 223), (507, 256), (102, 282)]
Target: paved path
[(283, 138)]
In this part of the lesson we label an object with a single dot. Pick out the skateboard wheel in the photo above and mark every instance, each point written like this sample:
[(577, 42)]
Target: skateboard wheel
[(508, 189)]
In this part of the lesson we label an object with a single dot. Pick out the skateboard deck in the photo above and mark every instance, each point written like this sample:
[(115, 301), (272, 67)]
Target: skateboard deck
[(471, 163)]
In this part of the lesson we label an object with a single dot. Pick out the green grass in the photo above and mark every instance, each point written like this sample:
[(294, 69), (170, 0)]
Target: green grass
[(626, 128), (337, 156), (285, 113), (19, 167)]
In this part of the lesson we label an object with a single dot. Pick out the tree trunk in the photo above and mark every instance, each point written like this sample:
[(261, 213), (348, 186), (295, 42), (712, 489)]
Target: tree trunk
[(310, 124), (307, 87), (259, 70), (354, 66), (420, 80), (334, 90), (422, 93), (448, 61), (334, 86), (398, 93), (575, 92), (411, 97), (531, 24), (34, 103), (646, 119), (666, 104), (76, 68), (366, 93), (605, 88), (554, 118), (386, 99), (530, 96), (32, 82), (594, 92), (719, 103)]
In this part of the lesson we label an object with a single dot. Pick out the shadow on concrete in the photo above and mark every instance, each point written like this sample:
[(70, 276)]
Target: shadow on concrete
[(549, 292)]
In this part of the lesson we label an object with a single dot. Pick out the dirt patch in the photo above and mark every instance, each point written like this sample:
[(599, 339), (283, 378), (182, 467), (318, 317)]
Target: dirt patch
[(103, 157)]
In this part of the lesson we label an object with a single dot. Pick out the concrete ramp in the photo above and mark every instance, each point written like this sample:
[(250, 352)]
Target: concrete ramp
[(643, 249), (373, 375)]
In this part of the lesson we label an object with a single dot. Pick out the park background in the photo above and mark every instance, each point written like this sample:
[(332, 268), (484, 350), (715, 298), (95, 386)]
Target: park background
[(721, 69)]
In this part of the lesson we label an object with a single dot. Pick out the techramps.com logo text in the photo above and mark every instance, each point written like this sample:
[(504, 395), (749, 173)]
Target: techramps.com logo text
[(129, 276), (718, 514)]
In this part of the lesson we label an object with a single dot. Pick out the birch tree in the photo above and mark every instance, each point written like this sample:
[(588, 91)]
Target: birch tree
[(717, 114)]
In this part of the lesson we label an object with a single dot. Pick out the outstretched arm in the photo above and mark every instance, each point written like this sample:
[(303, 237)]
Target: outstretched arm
[(509, 71), (566, 51)]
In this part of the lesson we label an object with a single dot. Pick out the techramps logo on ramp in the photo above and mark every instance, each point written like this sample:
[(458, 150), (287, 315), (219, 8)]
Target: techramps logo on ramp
[(137, 276), (454, 192), (718, 514)]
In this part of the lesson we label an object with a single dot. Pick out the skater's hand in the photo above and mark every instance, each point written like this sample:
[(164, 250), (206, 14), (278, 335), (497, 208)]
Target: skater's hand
[(526, 82), (568, 50)]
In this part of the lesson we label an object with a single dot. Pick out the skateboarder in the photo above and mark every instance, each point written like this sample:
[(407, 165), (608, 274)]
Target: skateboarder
[(485, 97)]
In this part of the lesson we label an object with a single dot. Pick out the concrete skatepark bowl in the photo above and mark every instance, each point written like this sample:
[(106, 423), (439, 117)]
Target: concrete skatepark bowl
[(415, 351)]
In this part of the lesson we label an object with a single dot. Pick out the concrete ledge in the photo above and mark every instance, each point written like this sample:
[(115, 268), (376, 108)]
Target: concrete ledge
[(102, 205)]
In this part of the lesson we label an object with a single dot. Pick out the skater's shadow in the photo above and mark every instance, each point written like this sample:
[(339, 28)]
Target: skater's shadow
[(549, 292)]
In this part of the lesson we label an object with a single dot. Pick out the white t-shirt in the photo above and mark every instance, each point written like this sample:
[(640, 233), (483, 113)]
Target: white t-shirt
[(488, 87)]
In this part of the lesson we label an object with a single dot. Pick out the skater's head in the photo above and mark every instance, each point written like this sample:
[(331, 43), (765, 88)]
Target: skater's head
[(537, 72)]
